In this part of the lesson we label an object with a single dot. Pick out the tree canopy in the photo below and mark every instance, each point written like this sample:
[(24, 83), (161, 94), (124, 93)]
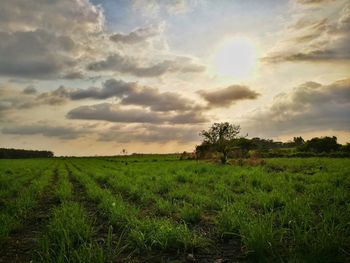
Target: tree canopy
[(220, 136)]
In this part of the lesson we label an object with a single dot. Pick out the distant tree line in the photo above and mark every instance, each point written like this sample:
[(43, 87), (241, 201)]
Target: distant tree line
[(221, 141), (20, 153)]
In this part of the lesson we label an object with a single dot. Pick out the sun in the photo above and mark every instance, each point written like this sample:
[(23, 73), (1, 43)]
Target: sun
[(235, 57)]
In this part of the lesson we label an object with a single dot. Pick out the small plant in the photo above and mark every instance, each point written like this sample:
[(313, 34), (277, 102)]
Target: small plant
[(191, 214)]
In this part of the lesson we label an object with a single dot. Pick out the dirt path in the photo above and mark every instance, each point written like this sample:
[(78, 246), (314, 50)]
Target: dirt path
[(22, 242)]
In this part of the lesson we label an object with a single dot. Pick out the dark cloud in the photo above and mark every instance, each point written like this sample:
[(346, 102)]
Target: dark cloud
[(128, 65), (13, 98), (131, 93), (127, 93), (229, 95), (57, 97), (157, 101), (74, 75), (137, 36), (30, 90), (309, 107), (114, 113), (148, 133), (34, 54), (42, 39), (110, 88), (190, 117), (61, 132)]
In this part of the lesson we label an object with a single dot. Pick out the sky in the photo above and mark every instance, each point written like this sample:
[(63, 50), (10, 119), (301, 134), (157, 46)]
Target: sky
[(81, 77)]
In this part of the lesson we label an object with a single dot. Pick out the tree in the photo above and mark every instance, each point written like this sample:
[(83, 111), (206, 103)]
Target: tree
[(220, 137), (346, 148), (323, 144), (298, 141)]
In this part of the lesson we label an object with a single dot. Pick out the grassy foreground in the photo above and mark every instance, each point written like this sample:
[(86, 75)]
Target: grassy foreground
[(160, 209)]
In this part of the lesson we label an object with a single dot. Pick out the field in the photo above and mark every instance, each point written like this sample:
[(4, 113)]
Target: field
[(161, 209)]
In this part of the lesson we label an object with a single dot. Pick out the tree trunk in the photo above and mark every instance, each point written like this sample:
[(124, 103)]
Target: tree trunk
[(224, 157)]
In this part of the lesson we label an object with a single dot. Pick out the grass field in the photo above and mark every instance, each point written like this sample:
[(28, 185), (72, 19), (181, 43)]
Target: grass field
[(160, 209)]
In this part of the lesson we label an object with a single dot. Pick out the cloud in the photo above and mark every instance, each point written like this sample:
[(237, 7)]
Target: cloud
[(62, 17), (129, 65), (37, 54), (190, 117), (153, 8), (228, 96), (314, 39), (126, 93), (30, 90), (61, 132), (131, 93), (42, 39), (57, 97), (148, 133), (110, 88), (73, 75), (158, 101), (137, 36), (115, 113), (308, 107), (313, 2), (15, 98), (12, 97)]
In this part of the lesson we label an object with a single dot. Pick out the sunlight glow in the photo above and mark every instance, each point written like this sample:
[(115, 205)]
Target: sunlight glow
[(236, 57)]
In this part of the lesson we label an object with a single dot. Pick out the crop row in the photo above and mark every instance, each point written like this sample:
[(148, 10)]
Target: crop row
[(68, 236), (277, 210), (17, 208), (144, 233)]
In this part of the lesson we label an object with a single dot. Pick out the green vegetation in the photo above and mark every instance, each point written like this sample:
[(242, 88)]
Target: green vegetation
[(221, 141), (21, 185), (21, 154), (158, 208)]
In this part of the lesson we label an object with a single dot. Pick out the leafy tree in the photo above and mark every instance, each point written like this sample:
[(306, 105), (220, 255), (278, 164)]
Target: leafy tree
[(220, 137), (298, 141), (244, 143), (346, 148), (323, 144)]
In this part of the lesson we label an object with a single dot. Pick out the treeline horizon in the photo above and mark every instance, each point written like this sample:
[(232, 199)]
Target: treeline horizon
[(243, 147), (11, 153), (324, 144)]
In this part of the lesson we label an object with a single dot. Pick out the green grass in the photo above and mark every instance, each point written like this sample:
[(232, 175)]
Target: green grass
[(18, 201), (294, 210), (68, 237)]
